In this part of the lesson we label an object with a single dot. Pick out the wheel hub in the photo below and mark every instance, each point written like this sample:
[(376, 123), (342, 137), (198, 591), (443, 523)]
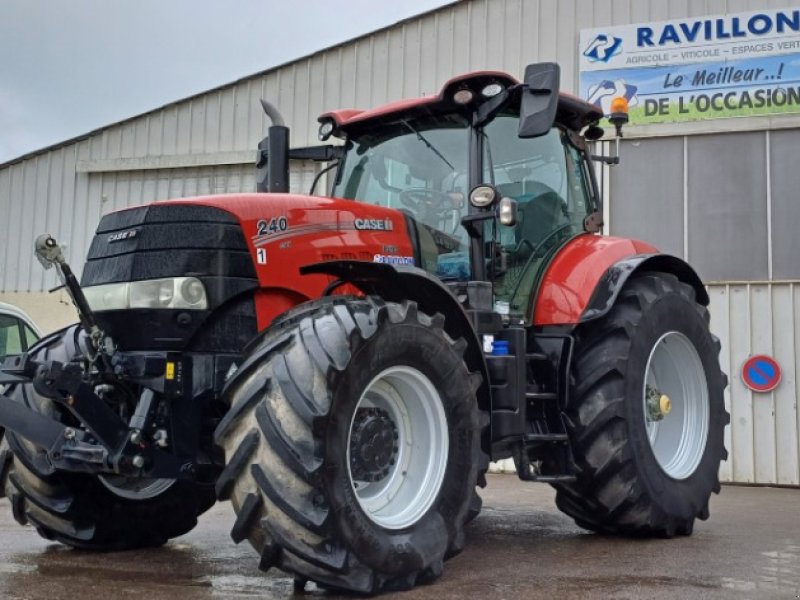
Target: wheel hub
[(658, 405), (676, 386), (373, 444)]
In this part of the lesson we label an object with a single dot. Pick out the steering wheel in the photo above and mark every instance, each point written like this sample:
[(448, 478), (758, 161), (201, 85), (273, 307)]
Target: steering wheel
[(427, 202), (433, 206)]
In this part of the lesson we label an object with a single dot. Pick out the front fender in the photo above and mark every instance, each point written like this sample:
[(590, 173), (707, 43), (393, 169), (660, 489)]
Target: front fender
[(584, 279), (396, 283)]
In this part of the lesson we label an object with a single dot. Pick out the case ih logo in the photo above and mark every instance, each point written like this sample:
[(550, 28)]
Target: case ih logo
[(602, 48), (122, 235), (374, 224)]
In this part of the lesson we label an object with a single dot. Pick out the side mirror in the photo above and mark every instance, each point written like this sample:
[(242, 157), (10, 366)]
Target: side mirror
[(507, 212), (539, 100)]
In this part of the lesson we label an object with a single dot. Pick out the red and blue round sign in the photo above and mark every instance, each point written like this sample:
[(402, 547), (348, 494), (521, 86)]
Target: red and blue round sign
[(761, 373)]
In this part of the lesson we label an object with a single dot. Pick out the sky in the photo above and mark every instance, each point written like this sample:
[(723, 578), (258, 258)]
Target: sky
[(70, 66)]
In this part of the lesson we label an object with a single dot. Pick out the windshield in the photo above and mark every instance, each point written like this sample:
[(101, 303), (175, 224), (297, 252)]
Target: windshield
[(418, 166)]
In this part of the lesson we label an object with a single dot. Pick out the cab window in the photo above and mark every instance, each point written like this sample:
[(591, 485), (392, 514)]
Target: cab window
[(547, 178), (418, 166), (11, 341), (31, 336)]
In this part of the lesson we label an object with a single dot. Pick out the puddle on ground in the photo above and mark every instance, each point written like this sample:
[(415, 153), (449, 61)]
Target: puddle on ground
[(779, 571)]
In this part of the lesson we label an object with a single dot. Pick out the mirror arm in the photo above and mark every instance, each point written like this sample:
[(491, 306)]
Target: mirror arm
[(470, 222), (490, 108), (609, 160)]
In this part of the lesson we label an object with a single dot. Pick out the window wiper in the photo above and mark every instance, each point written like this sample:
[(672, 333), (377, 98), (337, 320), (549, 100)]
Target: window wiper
[(422, 139)]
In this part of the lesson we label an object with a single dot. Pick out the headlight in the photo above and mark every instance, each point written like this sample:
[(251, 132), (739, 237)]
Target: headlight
[(463, 96), (174, 292), (325, 130), (482, 196), (491, 90)]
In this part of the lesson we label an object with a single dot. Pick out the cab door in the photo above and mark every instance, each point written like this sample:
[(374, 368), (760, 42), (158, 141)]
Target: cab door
[(547, 177)]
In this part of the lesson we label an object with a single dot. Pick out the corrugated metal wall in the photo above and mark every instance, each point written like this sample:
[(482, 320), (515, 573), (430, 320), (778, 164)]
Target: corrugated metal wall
[(412, 58), (764, 434), (727, 203), (206, 144), (763, 438)]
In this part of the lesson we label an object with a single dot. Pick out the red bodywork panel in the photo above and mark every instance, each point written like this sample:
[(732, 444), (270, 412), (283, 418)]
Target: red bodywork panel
[(349, 116), (574, 273), (315, 229)]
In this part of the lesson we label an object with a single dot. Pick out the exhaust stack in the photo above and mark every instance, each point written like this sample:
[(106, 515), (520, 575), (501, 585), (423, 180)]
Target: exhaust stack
[(272, 161)]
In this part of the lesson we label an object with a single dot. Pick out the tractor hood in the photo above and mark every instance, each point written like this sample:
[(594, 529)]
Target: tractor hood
[(283, 232), (238, 246)]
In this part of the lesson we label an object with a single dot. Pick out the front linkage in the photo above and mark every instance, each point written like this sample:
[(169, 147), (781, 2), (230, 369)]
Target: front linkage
[(103, 442)]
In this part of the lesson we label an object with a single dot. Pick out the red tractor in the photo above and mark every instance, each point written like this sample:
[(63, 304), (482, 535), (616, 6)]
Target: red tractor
[(344, 368)]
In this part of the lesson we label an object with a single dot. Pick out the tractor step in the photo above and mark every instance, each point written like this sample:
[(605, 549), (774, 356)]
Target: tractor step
[(552, 478), (537, 356), (529, 395), (546, 437)]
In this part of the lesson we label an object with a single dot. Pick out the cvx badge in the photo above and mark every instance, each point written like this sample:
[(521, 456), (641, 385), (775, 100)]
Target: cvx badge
[(603, 48)]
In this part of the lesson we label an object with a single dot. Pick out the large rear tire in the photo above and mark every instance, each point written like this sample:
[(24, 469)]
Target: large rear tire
[(86, 511), (353, 445), (646, 416)]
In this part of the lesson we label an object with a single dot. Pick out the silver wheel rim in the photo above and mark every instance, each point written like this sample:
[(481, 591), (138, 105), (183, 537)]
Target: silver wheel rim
[(134, 488), (678, 438), (408, 487)]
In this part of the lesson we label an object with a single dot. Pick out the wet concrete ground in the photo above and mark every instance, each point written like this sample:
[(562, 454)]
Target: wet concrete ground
[(520, 547)]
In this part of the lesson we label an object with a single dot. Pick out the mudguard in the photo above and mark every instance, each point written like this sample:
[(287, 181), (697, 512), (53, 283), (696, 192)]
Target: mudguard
[(586, 276), (404, 282)]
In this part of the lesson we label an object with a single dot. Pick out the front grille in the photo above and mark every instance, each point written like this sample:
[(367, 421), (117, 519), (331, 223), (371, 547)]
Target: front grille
[(167, 241)]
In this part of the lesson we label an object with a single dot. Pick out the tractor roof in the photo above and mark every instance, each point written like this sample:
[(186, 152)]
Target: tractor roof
[(573, 112)]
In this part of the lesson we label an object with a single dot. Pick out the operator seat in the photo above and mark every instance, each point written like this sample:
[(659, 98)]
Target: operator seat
[(541, 211)]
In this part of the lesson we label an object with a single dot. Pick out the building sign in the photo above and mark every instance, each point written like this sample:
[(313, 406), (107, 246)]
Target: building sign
[(701, 68)]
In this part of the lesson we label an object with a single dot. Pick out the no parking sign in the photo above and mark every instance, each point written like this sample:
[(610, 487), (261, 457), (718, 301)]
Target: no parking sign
[(761, 373)]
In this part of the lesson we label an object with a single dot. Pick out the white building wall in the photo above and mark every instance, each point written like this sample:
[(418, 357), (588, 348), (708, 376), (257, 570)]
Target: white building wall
[(763, 439), (764, 434), (55, 190), (206, 144)]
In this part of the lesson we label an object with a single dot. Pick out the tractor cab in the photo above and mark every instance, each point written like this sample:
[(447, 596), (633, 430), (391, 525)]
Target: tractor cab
[(425, 157)]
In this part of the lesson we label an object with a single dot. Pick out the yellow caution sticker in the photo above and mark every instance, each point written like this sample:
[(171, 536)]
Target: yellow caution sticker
[(170, 374)]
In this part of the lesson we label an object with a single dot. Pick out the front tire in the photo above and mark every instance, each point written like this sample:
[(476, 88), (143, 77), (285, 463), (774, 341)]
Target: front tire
[(353, 445), (646, 416)]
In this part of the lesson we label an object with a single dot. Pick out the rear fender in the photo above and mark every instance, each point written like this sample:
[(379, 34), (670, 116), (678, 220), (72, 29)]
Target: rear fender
[(396, 283), (586, 276), (613, 280)]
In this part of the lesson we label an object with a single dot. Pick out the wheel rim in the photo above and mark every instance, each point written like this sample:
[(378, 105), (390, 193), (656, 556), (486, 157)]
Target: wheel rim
[(397, 447), (675, 400), (134, 488)]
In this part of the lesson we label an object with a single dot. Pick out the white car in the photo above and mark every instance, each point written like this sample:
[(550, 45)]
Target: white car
[(17, 331)]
